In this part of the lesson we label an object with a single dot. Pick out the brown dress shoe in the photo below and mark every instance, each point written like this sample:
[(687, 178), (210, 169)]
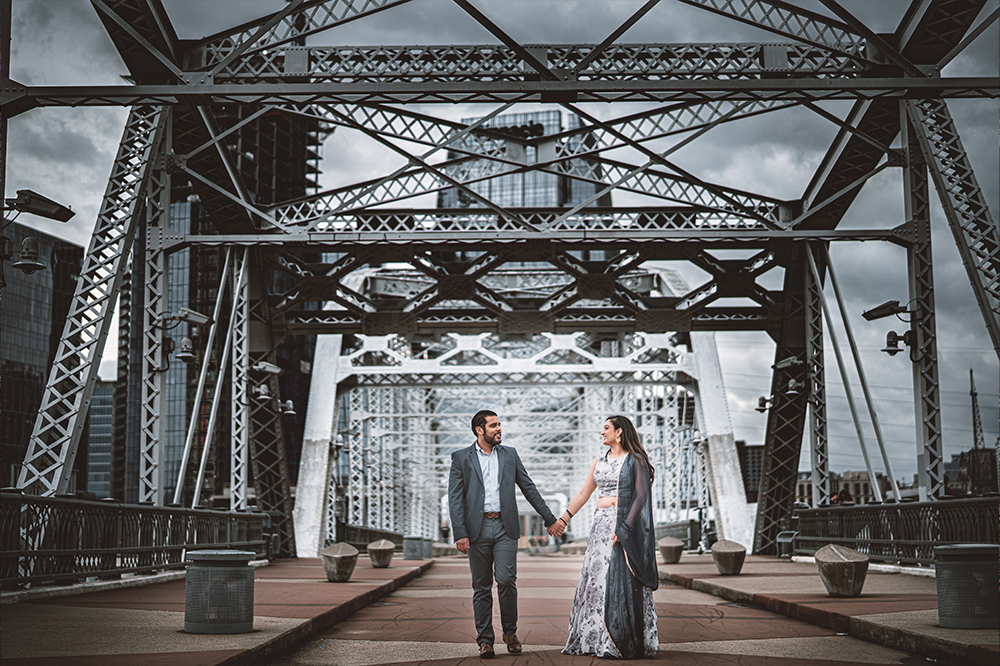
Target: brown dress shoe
[(486, 651), (513, 645)]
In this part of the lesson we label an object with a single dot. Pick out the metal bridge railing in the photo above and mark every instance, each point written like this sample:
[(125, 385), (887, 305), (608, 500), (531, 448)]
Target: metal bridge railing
[(900, 533), (53, 539)]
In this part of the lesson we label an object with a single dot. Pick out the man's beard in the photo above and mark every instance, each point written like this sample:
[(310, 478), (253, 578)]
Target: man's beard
[(494, 440)]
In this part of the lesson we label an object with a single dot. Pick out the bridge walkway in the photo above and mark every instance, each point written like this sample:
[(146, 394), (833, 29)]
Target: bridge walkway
[(775, 613)]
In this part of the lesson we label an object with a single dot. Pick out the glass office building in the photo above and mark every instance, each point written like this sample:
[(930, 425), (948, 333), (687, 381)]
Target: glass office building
[(534, 189), (101, 432), (34, 311)]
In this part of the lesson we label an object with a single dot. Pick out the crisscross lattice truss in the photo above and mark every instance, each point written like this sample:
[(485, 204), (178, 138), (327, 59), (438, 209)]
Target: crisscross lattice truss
[(234, 120), (403, 408)]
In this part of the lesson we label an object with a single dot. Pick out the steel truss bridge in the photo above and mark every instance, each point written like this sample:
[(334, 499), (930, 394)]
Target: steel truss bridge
[(408, 353)]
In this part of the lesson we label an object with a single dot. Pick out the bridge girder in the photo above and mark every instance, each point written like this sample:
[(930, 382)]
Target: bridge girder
[(264, 67)]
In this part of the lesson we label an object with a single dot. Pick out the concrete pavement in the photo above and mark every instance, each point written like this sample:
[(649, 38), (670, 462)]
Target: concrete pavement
[(429, 622), (895, 610), (775, 613), (144, 625)]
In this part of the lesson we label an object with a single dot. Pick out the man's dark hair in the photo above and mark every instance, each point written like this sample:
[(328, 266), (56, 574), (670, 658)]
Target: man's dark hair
[(479, 420)]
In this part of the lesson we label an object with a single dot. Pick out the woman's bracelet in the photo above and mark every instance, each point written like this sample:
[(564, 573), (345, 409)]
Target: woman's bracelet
[(569, 512), (563, 521)]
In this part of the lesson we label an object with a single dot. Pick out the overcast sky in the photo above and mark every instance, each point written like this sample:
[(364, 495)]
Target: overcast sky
[(67, 155)]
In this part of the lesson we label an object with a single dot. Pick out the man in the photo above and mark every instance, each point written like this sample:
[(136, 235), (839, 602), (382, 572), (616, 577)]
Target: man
[(485, 525)]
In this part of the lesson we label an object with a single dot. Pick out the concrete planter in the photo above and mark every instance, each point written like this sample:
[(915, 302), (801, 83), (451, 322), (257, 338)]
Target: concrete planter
[(380, 553), (728, 556), (338, 561), (445, 549), (842, 570), (670, 549)]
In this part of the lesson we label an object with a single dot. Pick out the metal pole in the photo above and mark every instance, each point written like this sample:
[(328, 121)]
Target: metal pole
[(213, 415), (861, 375), (5, 32), (847, 383), (189, 442)]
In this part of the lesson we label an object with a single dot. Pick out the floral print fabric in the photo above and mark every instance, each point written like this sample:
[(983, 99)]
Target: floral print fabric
[(587, 631)]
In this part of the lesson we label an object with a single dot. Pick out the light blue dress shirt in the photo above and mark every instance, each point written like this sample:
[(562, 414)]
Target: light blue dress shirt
[(491, 479)]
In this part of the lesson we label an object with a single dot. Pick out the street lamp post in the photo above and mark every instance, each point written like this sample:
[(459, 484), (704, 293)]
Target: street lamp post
[(34, 203), (25, 202)]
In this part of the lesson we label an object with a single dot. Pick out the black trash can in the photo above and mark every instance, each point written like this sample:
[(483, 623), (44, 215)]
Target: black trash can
[(218, 593), (967, 579)]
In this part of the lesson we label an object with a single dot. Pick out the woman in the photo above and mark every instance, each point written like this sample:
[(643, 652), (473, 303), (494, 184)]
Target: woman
[(613, 613)]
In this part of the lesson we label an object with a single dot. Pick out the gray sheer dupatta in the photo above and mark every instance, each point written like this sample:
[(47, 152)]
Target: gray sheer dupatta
[(633, 560)]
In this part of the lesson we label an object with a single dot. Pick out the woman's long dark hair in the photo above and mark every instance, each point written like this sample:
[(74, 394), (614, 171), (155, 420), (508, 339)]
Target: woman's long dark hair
[(630, 441)]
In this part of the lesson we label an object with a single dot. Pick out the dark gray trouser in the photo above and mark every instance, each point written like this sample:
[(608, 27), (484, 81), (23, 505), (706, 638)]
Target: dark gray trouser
[(494, 553)]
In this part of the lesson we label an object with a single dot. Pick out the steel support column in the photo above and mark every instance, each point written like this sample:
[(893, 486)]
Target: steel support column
[(317, 488), (816, 388), (786, 418), (155, 353), (48, 462), (923, 331), (267, 440), (976, 233), (240, 412)]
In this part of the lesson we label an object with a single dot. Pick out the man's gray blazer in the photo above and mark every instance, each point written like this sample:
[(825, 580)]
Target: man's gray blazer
[(466, 493)]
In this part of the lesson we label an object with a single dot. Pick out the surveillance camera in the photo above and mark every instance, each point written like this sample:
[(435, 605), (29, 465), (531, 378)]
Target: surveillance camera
[(262, 392), (789, 362), (186, 351), (34, 203), (887, 309), (892, 343), (269, 368), (192, 317)]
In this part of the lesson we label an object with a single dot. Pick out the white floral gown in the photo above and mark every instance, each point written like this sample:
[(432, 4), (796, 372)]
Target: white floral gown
[(587, 632)]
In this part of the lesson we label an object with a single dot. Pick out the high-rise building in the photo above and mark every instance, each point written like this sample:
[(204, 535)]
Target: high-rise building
[(101, 439), (277, 156), (751, 463), (32, 317), (534, 189)]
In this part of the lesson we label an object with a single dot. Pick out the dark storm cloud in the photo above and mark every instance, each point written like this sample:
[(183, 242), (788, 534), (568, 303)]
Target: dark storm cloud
[(64, 43), (61, 43), (60, 144)]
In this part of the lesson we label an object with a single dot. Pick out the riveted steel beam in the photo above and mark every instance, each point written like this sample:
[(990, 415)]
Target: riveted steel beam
[(49, 458)]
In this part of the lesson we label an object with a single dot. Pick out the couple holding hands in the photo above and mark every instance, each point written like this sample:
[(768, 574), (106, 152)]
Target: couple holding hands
[(613, 613)]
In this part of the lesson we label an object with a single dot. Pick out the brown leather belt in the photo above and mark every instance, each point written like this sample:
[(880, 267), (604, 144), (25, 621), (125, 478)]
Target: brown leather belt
[(491, 514)]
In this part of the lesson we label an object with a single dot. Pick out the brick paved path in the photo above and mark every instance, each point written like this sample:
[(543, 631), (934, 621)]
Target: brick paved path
[(430, 622)]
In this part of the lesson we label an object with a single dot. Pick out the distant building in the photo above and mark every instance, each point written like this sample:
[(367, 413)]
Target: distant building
[(857, 484), (972, 472), (101, 431), (860, 486), (751, 463), (803, 488), (534, 189), (34, 312)]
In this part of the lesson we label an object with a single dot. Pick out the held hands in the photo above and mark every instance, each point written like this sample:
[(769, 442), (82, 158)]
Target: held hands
[(557, 528), (463, 546)]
